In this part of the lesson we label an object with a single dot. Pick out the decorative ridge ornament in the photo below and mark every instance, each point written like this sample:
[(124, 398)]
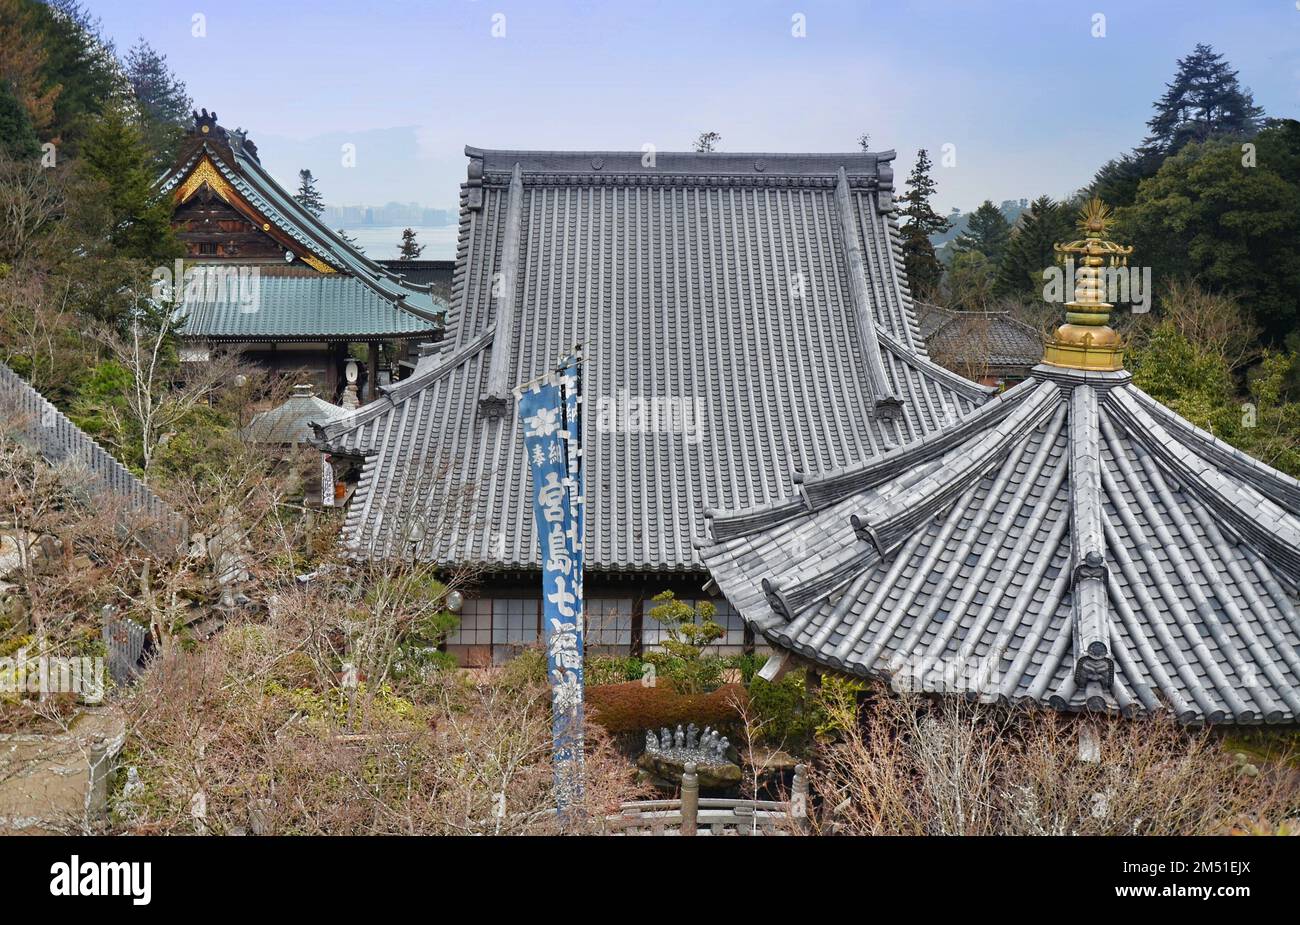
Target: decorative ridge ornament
[(1086, 340)]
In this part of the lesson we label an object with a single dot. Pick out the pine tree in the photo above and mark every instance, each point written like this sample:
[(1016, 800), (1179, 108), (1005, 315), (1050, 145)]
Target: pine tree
[(308, 196), (409, 249), (707, 142), (1204, 100), (1029, 251), (920, 223), (114, 156), (17, 137), (162, 98), (82, 64), (864, 140), (987, 232)]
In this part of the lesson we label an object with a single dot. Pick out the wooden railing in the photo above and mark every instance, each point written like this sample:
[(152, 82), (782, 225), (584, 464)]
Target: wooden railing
[(692, 815)]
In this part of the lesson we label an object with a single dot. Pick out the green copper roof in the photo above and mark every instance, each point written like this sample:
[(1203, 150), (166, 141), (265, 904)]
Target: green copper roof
[(281, 306)]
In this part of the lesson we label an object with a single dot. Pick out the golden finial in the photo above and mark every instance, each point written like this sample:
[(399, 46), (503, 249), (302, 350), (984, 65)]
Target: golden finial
[(1086, 340)]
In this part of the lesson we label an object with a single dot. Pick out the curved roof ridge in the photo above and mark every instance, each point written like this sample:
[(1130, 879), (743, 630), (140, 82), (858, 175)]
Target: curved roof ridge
[(394, 395), (827, 487), (926, 365), (1279, 487)]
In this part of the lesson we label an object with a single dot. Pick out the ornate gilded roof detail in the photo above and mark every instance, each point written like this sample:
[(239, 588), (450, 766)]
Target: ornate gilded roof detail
[(319, 265), (206, 172), (1086, 340)]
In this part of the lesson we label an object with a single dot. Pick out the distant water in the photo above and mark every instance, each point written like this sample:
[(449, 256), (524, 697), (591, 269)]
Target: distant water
[(380, 242)]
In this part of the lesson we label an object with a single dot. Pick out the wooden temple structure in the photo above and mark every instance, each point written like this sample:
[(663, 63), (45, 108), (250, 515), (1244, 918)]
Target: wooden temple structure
[(264, 275)]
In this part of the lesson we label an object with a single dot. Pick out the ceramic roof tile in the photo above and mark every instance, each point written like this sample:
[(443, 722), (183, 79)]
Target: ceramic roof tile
[(720, 287), (1112, 558)]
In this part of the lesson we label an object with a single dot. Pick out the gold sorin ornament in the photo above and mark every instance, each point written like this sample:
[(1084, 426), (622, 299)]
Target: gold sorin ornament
[(1086, 340)]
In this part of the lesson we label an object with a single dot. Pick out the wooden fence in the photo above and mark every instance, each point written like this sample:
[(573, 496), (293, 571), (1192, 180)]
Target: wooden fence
[(692, 815)]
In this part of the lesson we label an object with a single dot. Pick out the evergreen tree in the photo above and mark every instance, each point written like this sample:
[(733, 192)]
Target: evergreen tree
[(864, 140), (115, 158), (707, 141), (920, 222), (409, 249), (162, 98), (987, 232), (1236, 229), (81, 63), (1203, 101), (17, 138), (346, 238), (308, 196), (1029, 251)]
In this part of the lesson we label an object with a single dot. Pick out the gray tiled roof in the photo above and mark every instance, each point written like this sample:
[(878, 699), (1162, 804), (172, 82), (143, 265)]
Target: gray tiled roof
[(296, 306), (46, 430), (422, 272), (722, 279), (1002, 341), (291, 421), (1072, 542)]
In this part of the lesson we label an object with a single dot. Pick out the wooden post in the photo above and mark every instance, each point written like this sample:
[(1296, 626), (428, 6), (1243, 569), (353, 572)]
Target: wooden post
[(690, 799)]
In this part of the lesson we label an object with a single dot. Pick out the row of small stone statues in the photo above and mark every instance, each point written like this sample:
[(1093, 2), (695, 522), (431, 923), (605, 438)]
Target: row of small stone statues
[(713, 744)]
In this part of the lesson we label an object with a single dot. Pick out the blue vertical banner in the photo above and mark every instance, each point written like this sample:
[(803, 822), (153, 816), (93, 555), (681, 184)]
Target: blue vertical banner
[(550, 413)]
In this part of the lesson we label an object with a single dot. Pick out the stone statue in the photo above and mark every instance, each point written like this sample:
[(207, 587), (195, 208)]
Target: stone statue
[(679, 737), (692, 736), (665, 739), (651, 743)]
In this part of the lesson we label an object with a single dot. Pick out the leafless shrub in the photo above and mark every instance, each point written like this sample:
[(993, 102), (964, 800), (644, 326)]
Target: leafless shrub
[(915, 766), (241, 735)]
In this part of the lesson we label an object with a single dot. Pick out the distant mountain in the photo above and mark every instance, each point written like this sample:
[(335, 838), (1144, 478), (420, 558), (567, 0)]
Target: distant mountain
[(394, 213)]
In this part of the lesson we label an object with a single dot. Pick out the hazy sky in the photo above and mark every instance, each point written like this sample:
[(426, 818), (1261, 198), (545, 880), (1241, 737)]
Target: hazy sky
[(411, 82)]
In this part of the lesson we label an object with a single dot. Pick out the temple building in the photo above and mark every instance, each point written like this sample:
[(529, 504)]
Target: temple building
[(1072, 543), (990, 347), (746, 324), (277, 283)]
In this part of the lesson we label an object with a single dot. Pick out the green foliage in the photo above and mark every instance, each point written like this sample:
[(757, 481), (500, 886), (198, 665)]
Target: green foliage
[(162, 98), (114, 155), (689, 631), (920, 222), (409, 248), (789, 716), (80, 63), (1197, 384), (612, 669), (307, 195), (99, 408), (1203, 101), (1235, 226), (987, 232), (969, 283), (17, 136), (1029, 251)]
